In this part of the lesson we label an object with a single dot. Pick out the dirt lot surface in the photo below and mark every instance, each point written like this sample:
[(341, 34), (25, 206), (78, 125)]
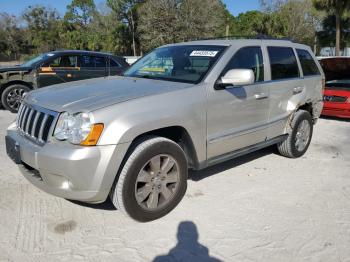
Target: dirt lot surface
[(260, 207)]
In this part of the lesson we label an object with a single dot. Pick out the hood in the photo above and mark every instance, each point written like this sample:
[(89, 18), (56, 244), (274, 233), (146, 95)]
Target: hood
[(14, 69), (89, 95)]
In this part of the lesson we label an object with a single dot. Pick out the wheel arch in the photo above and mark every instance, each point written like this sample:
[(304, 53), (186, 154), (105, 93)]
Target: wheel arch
[(16, 82), (178, 134)]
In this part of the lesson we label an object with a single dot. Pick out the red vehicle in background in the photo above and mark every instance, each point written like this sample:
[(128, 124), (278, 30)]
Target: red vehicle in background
[(337, 92)]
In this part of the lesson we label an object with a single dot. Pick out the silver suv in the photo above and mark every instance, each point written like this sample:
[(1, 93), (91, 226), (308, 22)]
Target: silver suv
[(188, 105)]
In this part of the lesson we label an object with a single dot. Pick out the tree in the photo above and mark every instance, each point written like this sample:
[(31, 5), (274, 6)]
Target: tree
[(338, 8), (42, 28), (327, 35), (80, 14), (169, 21), (250, 23), (12, 38), (126, 11)]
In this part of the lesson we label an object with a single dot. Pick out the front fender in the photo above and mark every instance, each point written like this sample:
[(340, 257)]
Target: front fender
[(184, 108)]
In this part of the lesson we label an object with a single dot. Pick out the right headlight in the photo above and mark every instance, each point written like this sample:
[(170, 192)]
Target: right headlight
[(78, 129)]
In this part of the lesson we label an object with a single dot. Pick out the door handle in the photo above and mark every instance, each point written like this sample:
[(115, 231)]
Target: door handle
[(298, 90), (261, 96), (69, 75)]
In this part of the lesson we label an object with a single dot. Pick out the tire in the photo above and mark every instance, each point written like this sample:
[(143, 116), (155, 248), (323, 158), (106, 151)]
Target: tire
[(139, 186), (299, 139), (11, 97)]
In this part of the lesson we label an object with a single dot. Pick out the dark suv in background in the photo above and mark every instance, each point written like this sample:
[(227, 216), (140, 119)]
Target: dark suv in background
[(55, 68)]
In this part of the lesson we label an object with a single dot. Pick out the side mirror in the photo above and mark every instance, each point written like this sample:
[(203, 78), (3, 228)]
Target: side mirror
[(236, 77)]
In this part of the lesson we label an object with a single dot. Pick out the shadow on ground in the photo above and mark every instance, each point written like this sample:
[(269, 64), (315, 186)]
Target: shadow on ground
[(336, 118), (107, 205), (218, 168), (187, 248)]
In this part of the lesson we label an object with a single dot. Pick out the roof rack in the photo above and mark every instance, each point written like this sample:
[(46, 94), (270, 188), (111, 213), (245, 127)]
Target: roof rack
[(258, 37)]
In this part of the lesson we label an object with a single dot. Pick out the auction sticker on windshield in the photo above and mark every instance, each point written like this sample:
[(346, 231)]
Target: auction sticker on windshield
[(204, 53)]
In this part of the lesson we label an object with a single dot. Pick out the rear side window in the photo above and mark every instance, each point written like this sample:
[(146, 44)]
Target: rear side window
[(93, 61), (248, 58), (283, 63), (307, 63)]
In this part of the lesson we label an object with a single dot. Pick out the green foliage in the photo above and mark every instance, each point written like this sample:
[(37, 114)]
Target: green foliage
[(169, 21), (135, 26), (43, 27), (340, 9), (250, 23)]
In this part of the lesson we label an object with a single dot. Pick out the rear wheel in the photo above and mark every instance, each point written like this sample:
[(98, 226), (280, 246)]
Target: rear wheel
[(299, 139), (153, 180), (12, 96)]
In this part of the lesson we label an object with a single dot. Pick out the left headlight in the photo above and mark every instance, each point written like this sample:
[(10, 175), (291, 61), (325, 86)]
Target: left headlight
[(78, 129)]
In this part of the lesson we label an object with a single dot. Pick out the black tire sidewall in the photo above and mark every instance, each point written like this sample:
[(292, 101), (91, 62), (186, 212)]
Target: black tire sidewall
[(303, 116), (128, 191), (5, 93)]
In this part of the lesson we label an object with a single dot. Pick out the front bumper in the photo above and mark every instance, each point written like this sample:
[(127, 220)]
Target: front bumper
[(72, 172)]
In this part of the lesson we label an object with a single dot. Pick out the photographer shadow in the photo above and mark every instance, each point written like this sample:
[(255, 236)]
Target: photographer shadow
[(187, 248)]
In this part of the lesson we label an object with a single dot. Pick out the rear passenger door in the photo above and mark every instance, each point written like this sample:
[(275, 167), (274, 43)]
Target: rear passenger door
[(285, 87), (93, 66)]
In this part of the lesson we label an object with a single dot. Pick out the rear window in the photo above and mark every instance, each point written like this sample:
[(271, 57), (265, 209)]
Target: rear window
[(307, 63), (283, 63)]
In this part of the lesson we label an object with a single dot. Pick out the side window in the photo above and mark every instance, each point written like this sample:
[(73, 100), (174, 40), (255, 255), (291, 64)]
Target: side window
[(100, 61), (283, 63), (307, 63), (87, 61), (248, 58), (63, 61), (113, 63)]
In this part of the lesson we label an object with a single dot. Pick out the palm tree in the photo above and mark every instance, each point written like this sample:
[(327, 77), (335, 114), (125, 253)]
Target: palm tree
[(338, 8)]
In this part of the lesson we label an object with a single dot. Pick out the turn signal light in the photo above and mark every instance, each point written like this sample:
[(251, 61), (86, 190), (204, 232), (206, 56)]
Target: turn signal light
[(93, 136)]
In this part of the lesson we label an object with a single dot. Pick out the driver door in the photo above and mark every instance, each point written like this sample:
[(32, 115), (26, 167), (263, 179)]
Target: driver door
[(237, 116), (59, 70)]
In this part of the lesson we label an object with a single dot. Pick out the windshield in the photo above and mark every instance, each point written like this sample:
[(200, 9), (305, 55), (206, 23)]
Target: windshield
[(36, 60), (188, 64)]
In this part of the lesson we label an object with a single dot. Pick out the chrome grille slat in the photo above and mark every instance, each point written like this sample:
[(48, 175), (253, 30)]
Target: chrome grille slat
[(28, 120), (22, 115), (37, 114), (24, 118), (35, 122), (43, 123), (19, 114)]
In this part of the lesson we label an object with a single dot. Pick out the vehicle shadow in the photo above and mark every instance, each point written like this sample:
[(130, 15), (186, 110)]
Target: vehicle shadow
[(187, 248), (218, 168), (336, 118), (107, 205)]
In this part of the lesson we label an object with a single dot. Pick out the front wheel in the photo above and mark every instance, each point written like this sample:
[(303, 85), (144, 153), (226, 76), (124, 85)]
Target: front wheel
[(299, 139), (12, 96), (153, 180)]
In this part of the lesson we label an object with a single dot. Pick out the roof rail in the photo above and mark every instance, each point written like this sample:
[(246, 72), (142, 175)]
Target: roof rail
[(258, 37)]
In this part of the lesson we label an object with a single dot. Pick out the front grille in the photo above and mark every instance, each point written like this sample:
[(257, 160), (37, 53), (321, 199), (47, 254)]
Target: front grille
[(335, 99), (35, 122)]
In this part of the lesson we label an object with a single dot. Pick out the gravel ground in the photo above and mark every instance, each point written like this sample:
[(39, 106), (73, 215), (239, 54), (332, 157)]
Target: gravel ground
[(260, 207)]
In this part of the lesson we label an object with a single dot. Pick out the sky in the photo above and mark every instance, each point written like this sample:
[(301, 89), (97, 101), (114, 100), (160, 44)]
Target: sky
[(16, 7)]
